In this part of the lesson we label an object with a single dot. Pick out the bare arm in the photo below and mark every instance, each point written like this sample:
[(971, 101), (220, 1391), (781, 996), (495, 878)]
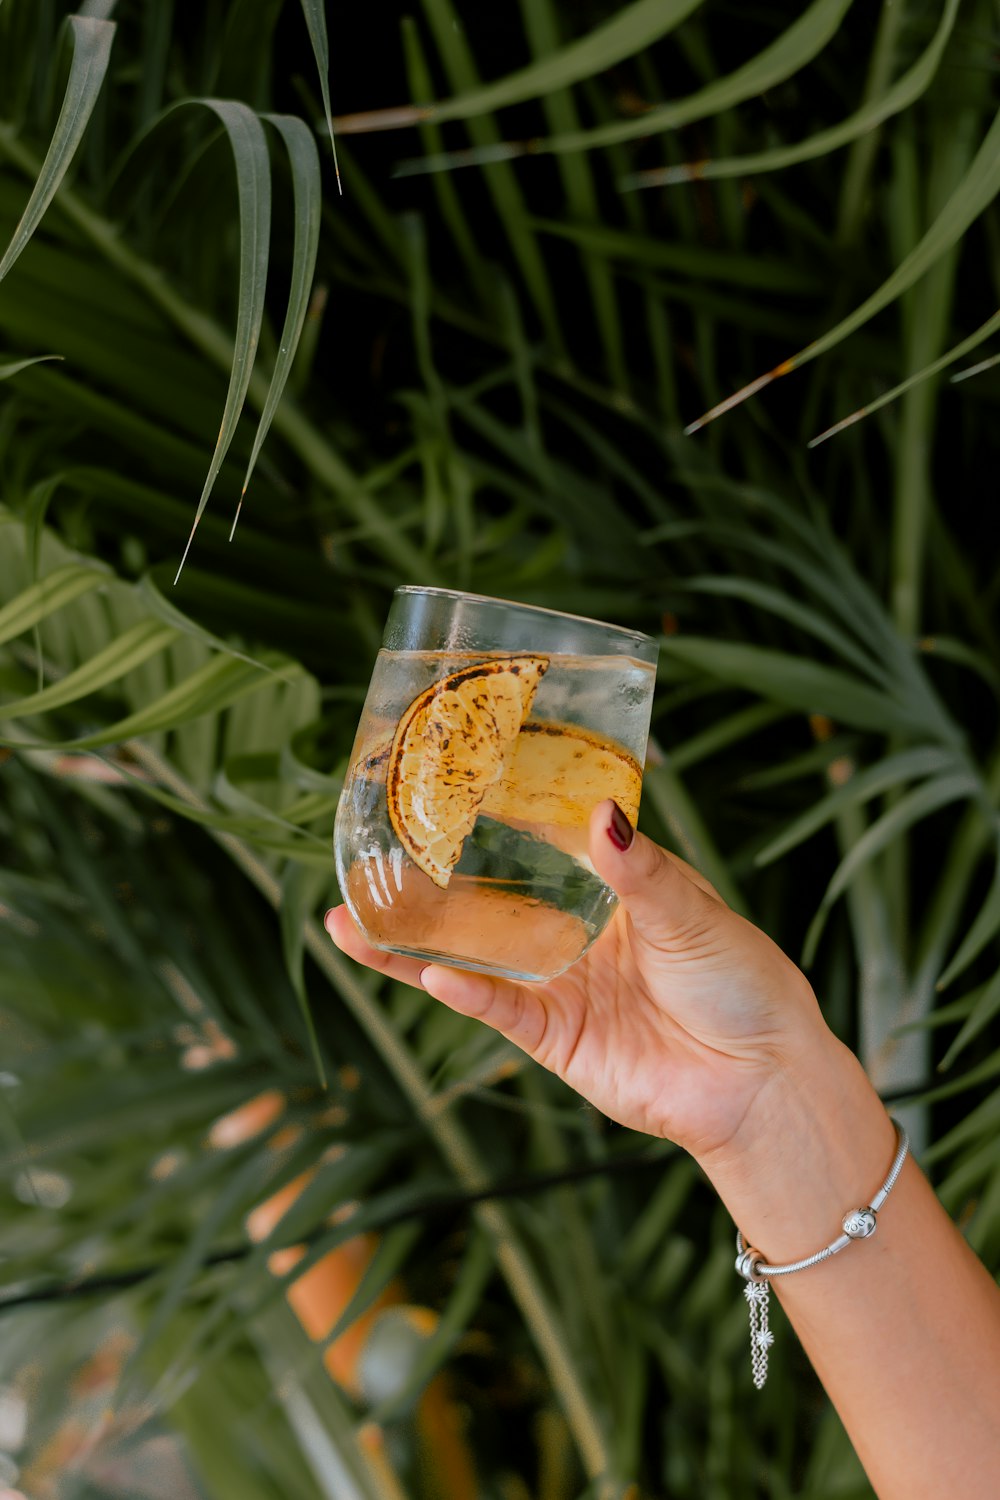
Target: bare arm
[(687, 1022), (903, 1329)]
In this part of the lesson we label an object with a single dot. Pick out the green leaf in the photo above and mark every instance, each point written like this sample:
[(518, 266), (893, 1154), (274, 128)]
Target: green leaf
[(234, 1191), (973, 194), (797, 682), (723, 733), (315, 16), (803, 40), (779, 602), (925, 799), (979, 368), (984, 928), (253, 181), (162, 609), (49, 595), (986, 1007), (136, 646), (300, 887), (947, 648), (14, 367), (892, 772), (632, 29), (983, 332), (307, 188), (217, 685), (635, 251), (91, 41), (505, 190), (873, 113)]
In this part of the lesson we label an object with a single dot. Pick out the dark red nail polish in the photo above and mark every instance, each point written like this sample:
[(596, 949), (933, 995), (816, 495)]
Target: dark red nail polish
[(620, 830)]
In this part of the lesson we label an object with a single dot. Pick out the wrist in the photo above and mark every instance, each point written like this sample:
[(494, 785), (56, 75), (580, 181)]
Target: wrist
[(815, 1142)]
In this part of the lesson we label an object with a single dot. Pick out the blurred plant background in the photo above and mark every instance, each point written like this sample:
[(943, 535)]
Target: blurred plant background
[(567, 231)]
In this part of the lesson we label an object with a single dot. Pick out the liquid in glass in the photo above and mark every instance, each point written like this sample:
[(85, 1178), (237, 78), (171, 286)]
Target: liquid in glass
[(462, 831)]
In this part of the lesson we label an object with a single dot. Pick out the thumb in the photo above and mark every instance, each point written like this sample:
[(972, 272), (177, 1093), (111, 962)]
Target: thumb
[(665, 899)]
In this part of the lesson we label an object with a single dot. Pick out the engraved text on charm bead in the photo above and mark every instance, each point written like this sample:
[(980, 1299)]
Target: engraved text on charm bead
[(859, 1223)]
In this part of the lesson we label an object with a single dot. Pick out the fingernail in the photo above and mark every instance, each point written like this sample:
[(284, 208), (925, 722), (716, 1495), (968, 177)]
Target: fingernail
[(620, 830), (326, 919), (420, 976)]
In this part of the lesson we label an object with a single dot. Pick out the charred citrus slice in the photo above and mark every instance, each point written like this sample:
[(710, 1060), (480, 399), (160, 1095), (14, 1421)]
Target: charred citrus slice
[(553, 774), (448, 750), (557, 774)]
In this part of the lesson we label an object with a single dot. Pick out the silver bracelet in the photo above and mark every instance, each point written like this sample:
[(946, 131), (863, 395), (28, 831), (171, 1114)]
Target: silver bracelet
[(858, 1224)]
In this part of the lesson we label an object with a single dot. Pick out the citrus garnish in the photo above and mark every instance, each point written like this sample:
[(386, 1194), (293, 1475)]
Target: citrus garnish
[(448, 750), (557, 774)]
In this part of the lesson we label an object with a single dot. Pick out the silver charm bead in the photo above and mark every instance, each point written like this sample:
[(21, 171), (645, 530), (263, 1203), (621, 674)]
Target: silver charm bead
[(746, 1264), (859, 1223)]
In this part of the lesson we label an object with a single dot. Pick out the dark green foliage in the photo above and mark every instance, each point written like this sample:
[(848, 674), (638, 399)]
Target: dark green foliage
[(520, 301)]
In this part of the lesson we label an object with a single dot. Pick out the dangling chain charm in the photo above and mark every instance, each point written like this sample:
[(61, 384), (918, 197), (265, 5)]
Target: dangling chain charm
[(858, 1224), (757, 1294)]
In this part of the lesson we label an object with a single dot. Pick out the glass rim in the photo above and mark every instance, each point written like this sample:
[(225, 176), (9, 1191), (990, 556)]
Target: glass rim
[(535, 609)]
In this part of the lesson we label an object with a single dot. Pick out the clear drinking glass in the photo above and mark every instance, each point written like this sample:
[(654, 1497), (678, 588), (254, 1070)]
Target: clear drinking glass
[(490, 732)]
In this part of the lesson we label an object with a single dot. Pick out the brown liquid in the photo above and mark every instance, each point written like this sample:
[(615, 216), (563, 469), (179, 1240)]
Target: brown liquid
[(470, 922)]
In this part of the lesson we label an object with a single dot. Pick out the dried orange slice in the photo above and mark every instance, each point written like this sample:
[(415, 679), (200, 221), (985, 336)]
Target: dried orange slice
[(448, 750), (557, 774)]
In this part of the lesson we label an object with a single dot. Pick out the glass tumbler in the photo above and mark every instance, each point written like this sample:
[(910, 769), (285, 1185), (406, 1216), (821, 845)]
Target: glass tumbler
[(490, 732)]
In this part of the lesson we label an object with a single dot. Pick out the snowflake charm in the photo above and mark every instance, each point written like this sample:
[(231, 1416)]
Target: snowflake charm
[(761, 1337)]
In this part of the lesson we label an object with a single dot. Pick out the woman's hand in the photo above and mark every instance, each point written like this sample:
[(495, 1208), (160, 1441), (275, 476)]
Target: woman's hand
[(677, 1020)]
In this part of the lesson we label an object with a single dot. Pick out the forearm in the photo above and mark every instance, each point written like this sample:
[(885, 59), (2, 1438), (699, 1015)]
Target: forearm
[(903, 1328)]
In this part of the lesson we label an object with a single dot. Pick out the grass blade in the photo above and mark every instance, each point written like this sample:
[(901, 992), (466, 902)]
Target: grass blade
[(976, 369), (17, 365), (315, 17), (44, 598), (253, 182), (973, 194), (300, 887), (984, 331), (873, 113), (211, 688), (748, 272), (307, 188), (984, 928), (631, 30), (985, 1009), (793, 49), (925, 799), (889, 773), (779, 602), (91, 41), (799, 683), (460, 66), (150, 597), (133, 648)]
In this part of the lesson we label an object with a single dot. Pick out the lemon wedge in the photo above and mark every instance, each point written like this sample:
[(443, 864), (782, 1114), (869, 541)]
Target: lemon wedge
[(449, 749)]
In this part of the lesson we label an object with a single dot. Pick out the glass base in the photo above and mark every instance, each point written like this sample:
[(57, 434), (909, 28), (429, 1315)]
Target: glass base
[(428, 956)]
